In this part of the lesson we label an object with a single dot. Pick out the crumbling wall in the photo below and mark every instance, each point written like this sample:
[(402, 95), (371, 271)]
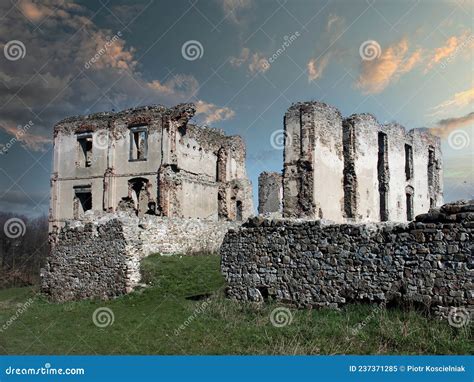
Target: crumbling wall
[(100, 257), (428, 191), (178, 161), (313, 162), (87, 261), (270, 193), (361, 193), (354, 169), (310, 264)]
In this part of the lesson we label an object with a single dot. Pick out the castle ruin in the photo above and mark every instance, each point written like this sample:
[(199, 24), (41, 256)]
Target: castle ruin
[(355, 169), (129, 184), (145, 180), (150, 160)]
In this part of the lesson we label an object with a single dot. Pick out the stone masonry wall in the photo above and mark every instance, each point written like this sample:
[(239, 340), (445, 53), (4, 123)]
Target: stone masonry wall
[(311, 264), (100, 258)]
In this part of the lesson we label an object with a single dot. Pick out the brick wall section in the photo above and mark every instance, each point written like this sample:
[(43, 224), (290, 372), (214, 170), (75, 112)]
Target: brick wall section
[(101, 258), (311, 264)]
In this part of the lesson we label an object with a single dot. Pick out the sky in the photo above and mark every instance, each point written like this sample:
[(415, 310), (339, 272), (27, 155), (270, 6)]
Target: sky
[(242, 62)]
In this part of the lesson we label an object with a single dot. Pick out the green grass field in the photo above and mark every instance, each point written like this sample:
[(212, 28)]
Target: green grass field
[(184, 311)]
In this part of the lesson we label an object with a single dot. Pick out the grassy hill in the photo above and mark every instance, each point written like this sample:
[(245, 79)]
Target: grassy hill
[(183, 311)]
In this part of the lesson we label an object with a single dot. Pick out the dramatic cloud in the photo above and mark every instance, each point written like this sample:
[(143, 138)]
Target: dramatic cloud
[(316, 68), (83, 69), (394, 61), (213, 113), (445, 126), (398, 59)]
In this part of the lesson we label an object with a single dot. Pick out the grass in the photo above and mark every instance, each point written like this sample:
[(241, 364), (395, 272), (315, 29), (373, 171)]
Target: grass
[(174, 316)]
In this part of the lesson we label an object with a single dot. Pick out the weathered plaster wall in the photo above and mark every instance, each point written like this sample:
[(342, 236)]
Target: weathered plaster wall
[(99, 257), (180, 170), (333, 167), (313, 162), (310, 264), (270, 193), (360, 170)]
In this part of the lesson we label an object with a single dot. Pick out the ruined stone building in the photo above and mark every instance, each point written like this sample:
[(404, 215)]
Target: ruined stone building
[(356, 169), (150, 160)]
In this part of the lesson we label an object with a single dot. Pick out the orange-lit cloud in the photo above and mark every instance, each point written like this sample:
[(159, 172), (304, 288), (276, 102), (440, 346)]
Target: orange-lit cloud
[(411, 62), (256, 62), (445, 126), (459, 100), (239, 61), (316, 67), (108, 52), (180, 86), (450, 49), (394, 61), (213, 113), (34, 12), (22, 135)]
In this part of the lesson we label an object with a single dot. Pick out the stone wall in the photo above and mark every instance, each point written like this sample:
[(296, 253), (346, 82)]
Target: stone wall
[(312, 264), (99, 257)]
